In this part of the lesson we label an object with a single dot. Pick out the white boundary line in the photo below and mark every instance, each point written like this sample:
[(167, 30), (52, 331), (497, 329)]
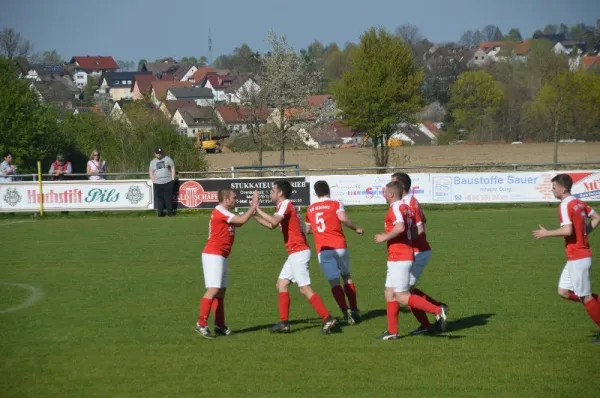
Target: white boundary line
[(15, 222), (35, 295)]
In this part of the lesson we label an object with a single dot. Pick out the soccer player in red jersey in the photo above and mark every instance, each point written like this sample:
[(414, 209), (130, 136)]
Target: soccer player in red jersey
[(295, 269), (422, 251), (574, 283), (324, 220), (221, 234), (399, 222)]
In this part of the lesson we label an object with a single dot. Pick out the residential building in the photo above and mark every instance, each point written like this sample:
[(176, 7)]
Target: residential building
[(37, 72), (243, 88), (193, 120), (159, 88), (220, 86), (81, 67), (89, 109), (179, 72), (238, 119), (117, 85), (142, 85), (58, 90), (412, 135), (201, 95), (169, 107), (201, 73)]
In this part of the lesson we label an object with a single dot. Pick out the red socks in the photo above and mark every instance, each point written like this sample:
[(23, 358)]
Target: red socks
[(284, 306), (419, 293), (573, 297), (392, 316), (318, 305), (420, 303), (421, 317), (340, 299), (350, 290), (593, 309), (205, 305), (218, 308)]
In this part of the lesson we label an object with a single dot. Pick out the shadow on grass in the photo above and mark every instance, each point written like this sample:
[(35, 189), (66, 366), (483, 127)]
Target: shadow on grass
[(462, 324), (312, 323), (366, 316)]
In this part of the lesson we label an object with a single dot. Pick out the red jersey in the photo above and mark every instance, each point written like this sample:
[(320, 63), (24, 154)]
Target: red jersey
[(575, 212), (220, 232), (400, 248), (291, 227), (420, 244), (325, 224)]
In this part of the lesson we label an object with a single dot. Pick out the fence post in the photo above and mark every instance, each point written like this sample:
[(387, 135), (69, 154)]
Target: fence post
[(232, 171), (41, 199)]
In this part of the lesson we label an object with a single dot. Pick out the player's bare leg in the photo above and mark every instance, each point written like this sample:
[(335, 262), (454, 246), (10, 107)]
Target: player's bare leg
[(350, 290), (314, 300), (205, 307), (284, 307)]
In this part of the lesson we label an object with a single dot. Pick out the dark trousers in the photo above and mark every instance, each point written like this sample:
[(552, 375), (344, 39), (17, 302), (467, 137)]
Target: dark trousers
[(163, 196)]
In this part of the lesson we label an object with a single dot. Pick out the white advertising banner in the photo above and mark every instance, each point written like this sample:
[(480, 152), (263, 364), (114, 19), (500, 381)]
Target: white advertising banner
[(491, 187), (368, 189), (77, 196), (586, 185)]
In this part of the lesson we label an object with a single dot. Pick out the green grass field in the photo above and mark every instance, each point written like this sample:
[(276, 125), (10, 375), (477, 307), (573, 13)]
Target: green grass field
[(120, 299)]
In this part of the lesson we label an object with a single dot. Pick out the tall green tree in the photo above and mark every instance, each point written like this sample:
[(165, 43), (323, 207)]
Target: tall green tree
[(89, 90), (381, 90), (13, 46), (52, 57), (568, 106), (513, 35), (27, 127), (475, 100)]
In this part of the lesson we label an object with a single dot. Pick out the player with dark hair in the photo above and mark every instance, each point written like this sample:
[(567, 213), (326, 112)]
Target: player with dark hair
[(399, 222), (295, 269), (221, 234), (575, 283), (422, 251), (324, 219)]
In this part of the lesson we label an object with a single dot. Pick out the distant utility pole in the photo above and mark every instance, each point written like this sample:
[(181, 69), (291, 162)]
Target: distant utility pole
[(210, 58)]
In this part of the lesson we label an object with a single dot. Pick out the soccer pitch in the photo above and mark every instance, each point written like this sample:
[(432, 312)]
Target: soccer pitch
[(106, 306)]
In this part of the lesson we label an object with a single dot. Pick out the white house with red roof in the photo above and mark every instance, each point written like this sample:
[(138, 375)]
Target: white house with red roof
[(81, 67), (219, 84)]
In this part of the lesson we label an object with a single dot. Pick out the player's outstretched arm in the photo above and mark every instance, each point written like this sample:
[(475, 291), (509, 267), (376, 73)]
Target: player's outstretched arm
[(397, 230), (273, 220), (263, 222), (565, 230), (241, 219), (344, 219)]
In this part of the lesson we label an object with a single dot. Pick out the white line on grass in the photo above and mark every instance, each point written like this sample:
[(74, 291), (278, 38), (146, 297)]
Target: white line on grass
[(15, 222), (35, 295)]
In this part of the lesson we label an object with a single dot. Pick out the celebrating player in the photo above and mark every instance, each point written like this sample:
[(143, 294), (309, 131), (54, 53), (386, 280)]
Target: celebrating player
[(295, 268), (422, 253), (574, 283), (399, 222), (324, 219), (221, 233)]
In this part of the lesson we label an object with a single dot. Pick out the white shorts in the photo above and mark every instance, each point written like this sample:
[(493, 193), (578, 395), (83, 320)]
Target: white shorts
[(398, 275), (421, 261), (295, 268), (215, 270), (576, 277), (334, 263)]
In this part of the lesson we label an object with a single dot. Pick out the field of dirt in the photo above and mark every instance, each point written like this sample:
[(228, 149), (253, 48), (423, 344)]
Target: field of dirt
[(417, 156)]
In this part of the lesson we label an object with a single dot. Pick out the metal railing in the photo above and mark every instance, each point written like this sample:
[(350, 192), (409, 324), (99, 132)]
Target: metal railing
[(278, 171)]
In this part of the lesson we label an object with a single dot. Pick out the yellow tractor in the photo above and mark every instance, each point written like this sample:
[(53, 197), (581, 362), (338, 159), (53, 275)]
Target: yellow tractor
[(205, 142), (395, 142)]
